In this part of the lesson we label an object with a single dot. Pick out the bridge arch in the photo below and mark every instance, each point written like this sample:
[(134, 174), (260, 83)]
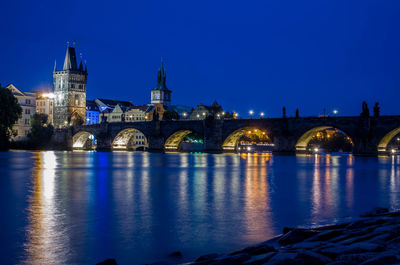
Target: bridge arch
[(306, 137), (232, 140), (173, 141), (84, 140), (130, 139), (384, 142)]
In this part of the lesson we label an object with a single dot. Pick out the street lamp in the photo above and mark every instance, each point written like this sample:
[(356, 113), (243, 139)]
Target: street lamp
[(335, 111), (184, 115), (262, 114), (251, 112)]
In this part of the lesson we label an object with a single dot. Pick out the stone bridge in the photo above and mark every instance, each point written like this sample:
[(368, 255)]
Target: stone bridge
[(369, 135)]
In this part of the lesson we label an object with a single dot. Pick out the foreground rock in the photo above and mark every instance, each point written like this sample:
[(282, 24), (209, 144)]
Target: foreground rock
[(372, 240)]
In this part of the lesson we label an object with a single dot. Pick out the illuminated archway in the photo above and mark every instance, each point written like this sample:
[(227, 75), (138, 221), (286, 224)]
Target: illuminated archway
[(231, 142), (304, 140), (84, 140), (76, 119), (383, 144), (173, 141), (130, 139)]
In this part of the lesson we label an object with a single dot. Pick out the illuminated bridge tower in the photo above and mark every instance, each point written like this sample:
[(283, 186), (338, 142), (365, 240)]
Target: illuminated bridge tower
[(70, 91), (161, 94)]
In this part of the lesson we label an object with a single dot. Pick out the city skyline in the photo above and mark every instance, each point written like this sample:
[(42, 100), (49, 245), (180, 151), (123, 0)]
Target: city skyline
[(259, 61)]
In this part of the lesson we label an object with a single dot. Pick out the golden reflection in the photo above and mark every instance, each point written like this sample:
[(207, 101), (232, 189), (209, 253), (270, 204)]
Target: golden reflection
[(43, 235), (257, 209), (350, 188), (256, 157), (184, 160), (394, 183), (316, 190)]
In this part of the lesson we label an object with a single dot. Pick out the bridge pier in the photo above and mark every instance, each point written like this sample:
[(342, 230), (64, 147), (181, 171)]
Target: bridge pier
[(104, 143), (213, 135), (156, 143)]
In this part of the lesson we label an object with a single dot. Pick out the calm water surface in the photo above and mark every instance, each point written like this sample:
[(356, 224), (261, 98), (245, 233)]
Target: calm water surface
[(83, 207)]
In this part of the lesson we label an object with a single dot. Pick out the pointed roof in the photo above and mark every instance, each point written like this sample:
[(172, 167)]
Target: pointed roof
[(81, 66), (70, 59), (161, 76), (14, 90), (215, 104)]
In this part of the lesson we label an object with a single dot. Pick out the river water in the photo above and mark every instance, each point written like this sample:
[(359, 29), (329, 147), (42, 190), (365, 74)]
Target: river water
[(84, 207)]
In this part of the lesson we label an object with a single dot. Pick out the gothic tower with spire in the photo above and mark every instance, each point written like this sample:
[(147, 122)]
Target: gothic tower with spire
[(161, 94), (70, 91)]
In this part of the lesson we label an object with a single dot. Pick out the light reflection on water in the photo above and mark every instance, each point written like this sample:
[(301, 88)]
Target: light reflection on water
[(83, 207)]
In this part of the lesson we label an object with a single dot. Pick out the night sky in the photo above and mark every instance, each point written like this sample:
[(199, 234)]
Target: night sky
[(258, 55)]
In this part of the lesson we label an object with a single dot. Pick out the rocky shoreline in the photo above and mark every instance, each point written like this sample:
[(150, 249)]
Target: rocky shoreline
[(371, 240)]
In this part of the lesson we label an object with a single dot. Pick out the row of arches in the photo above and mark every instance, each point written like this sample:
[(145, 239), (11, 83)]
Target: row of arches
[(133, 139)]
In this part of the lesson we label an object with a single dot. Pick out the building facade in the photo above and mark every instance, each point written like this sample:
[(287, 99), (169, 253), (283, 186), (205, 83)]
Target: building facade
[(27, 101), (45, 105), (92, 112), (112, 110), (70, 92), (136, 113), (202, 111)]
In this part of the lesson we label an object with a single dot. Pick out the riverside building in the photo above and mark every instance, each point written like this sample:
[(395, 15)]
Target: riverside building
[(45, 105), (27, 102)]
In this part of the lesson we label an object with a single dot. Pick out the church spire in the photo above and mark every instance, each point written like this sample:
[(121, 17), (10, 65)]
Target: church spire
[(70, 59), (80, 64), (161, 76), (55, 66)]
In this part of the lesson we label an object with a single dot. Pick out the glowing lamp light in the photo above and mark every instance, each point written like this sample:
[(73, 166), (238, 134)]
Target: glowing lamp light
[(335, 111), (249, 132), (262, 114), (48, 95), (316, 149), (204, 114), (251, 112), (393, 151), (184, 114), (248, 148)]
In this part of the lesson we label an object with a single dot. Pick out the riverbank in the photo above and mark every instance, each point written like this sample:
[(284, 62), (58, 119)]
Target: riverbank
[(371, 240)]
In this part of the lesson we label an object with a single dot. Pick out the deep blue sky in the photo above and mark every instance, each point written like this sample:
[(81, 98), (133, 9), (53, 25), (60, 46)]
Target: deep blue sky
[(256, 55)]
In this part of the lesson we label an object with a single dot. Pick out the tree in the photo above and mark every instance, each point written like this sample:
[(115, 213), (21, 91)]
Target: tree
[(41, 132), (297, 113), (170, 115), (377, 110), (10, 112)]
